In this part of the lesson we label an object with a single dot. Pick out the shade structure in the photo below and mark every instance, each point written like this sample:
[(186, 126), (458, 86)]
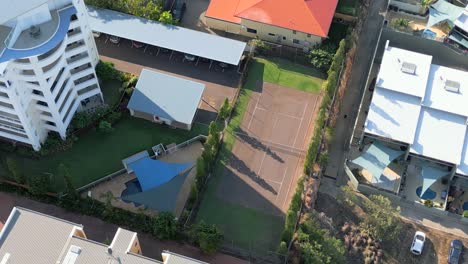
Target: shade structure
[(376, 158), (430, 175), (161, 198), (153, 173), (135, 157), (443, 11)]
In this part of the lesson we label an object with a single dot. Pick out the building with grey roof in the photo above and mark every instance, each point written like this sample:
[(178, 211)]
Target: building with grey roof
[(32, 237), (166, 99)]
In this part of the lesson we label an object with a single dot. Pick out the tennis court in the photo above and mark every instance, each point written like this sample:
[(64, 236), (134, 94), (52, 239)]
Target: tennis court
[(267, 157)]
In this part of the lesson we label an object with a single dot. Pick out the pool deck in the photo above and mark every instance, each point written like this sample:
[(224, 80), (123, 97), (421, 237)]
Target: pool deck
[(117, 185)]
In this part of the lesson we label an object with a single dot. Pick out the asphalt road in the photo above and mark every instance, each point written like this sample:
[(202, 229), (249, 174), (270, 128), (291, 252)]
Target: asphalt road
[(367, 44)]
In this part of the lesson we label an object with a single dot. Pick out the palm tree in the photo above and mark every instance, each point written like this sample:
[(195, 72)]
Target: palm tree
[(426, 3)]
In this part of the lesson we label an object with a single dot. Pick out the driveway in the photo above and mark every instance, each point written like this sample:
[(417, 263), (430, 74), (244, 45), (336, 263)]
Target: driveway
[(101, 231), (219, 83), (366, 45), (194, 15)]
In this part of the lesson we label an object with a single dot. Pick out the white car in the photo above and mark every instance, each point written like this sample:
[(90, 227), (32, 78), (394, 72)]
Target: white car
[(418, 243)]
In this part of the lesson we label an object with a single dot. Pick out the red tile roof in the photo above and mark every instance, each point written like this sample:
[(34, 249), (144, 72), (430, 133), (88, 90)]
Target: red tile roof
[(309, 16)]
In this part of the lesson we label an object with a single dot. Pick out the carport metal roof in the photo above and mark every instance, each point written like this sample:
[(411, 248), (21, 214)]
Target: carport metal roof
[(166, 36)]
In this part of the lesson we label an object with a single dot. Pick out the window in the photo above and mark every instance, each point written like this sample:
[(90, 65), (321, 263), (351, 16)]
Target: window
[(251, 30), (271, 34), (309, 35), (294, 32), (296, 41), (284, 38), (50, 123)]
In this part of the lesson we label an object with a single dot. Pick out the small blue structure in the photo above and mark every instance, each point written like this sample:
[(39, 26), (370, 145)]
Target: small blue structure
[(154, 173), (158, 184)]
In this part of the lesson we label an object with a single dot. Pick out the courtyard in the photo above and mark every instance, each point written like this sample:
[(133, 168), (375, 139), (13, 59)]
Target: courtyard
[(121, 185), (263, 153)]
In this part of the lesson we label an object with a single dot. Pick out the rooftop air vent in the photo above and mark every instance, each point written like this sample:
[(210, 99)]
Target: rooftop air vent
[(409, 68), (34, 31), (452, 86)]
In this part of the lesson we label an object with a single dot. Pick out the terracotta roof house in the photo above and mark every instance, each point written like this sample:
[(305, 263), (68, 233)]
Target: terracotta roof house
[(298, 23)]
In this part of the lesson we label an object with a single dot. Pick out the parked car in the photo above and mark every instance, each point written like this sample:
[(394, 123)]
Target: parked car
[(418, 243), (179, 10), (455, 252), (114, 39), (96, 34), (137, 44)]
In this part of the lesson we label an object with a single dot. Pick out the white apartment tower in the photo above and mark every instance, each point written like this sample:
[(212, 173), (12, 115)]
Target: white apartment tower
[(47, 60)]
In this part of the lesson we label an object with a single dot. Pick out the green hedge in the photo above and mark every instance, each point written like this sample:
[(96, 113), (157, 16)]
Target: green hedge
[(329, 88), (292, 214)]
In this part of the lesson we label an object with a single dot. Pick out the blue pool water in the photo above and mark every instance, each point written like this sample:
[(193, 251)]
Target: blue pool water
[(429, 34), (428, 195), (133, 187)]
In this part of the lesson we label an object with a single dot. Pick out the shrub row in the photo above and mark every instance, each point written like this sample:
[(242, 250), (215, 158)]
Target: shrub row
[(292, 214), (329, 87), (162, 226)]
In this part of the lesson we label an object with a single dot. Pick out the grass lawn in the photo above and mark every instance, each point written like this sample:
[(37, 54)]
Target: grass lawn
[(245, 227), (111, 91), (95, 155), (285, 73), (347, 7)]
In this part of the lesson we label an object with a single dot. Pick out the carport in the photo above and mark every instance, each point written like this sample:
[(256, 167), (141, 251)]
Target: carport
[(170, 37)]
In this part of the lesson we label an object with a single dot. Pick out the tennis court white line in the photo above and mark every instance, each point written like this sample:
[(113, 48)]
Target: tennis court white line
[(261, 164), (277, 182), (253, 114), (300, 124), (271, 142), (281, 186), (278, 113)]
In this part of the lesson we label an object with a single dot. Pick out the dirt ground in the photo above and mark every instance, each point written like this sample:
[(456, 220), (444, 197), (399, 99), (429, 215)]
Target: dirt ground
[(435, 249), (269, 150)]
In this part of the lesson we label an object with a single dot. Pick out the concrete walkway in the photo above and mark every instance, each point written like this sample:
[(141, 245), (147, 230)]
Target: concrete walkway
[(412, 213), (366, 45)]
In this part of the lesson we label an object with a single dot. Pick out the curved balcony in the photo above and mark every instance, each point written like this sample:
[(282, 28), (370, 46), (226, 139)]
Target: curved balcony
[(18, 50)]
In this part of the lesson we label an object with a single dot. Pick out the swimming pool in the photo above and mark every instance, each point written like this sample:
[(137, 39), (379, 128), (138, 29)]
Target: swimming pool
[(133, 187)]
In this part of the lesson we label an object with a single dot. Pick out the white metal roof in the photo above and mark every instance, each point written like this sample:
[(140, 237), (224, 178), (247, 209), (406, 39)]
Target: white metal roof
[(440, 135), (166, 96), (393, 115), (439, 98), (166, 36), (393, 78), (435, 125)]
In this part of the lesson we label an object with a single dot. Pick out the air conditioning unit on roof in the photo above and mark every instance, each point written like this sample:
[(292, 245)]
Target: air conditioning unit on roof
[(452, 86), (409, 68)]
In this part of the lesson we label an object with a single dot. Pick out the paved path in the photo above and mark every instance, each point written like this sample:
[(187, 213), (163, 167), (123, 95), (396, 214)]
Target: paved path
[(101, 231), (366, 45), (412, 213)]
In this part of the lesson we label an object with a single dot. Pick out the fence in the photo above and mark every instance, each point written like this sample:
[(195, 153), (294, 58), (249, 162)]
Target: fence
[(298, 55), (184, 144), (123, 171)]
